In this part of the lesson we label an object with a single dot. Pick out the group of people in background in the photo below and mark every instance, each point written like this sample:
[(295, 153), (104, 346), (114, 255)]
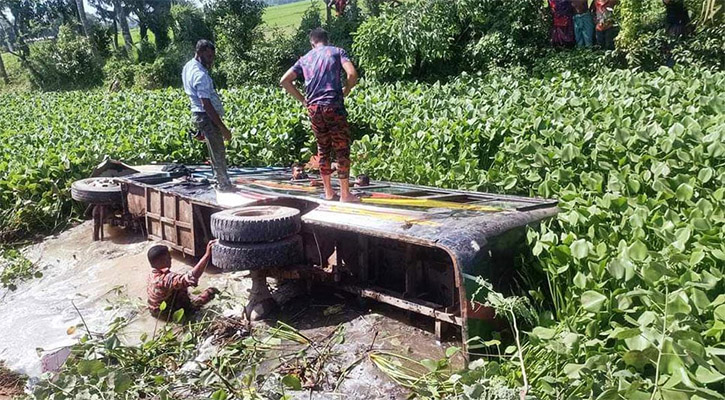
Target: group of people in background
[(584, 24)]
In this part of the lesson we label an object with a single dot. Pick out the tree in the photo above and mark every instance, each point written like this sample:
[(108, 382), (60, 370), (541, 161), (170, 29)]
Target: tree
[(154, 15), (3, 71), (234, 23), (82, 18), (28, 19), (122, 19), (107, 15), (189, 25)]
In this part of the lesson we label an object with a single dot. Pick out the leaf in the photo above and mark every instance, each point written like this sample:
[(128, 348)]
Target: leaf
[(579, 249), (616, 268), (573, 371), (699, 298), (121, 382), (178, 315), (333, 309), (580, 280), (292, 381), (719, 313), (509, 182), (637, 251), (719, 254), (625, 333), (705, 175), (451, 351), (592, 301), (636, 358), (430, 364), (673, 394), (684, 192), (543, 333), (678, 304), (701, 224), (90, 367), (220, 394), (708, 375)]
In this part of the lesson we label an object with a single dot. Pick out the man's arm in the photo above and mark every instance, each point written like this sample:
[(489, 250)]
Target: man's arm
[(215, 118), (287, 82), (351, 77)]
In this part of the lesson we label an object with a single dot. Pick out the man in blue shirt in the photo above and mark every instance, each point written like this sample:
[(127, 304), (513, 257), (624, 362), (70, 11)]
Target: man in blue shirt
[(207, 109), (321, 68)]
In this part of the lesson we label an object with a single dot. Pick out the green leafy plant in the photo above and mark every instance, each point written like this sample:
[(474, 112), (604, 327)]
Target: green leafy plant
[(234, 23), (407, 40), (65, 63), (188, 25), (15, 268), (633, 263)]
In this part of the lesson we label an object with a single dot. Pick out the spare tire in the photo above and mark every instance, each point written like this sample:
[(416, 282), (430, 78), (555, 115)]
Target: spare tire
[(97, 191), (242, 257), (255, 224)]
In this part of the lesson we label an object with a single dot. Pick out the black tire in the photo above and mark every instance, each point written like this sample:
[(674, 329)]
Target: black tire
[(96, 191), (245, 256), (255, 224)]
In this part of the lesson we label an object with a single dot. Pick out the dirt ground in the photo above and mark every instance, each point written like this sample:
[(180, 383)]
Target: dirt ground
[(101, 281)]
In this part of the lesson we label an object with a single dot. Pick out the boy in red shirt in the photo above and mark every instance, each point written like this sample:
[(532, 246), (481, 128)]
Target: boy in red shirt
[(163, 285)]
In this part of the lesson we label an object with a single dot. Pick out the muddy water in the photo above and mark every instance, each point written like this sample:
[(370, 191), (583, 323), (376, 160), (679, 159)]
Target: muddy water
[(106, 280), (76, 270)]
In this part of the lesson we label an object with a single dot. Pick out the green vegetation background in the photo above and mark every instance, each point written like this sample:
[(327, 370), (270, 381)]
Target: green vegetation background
[(625, 285)]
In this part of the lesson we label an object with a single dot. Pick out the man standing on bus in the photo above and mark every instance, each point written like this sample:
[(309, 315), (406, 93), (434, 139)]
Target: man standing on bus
[(207, 109), (321, 69)]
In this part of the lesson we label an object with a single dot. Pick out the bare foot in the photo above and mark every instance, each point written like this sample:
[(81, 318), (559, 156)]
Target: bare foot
[(350, 199)]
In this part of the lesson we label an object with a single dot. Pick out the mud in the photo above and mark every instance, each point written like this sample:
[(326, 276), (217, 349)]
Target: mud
[(106, 280)]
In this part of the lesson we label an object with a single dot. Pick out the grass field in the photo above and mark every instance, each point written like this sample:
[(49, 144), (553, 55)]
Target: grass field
[(12, 66), (135, 36), (287, 16), (11, 62)]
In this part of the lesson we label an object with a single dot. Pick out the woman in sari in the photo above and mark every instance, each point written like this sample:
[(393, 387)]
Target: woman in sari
[(562, 31)]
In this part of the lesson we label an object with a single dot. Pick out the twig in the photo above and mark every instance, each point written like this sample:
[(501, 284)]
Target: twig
[(525, 389), (661, 346), (82, 320), (372, 343)]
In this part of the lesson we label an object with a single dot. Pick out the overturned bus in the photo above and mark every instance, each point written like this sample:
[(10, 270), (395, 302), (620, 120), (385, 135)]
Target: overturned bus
[(421, 249)]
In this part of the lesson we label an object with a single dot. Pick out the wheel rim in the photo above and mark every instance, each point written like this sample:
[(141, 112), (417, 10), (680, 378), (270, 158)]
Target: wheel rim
[(257, 212), (102, 183)]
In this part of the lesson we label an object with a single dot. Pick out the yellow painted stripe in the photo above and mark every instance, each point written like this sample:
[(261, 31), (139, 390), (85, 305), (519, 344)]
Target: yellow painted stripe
[(429, 203), (381, 215)]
